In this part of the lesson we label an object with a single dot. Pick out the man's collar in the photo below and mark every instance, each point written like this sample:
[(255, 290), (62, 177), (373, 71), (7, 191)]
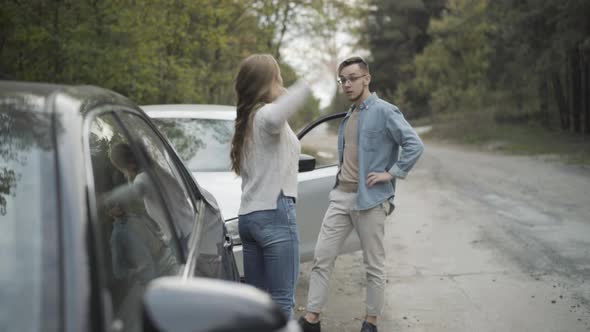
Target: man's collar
[(351, 108), (369, 101), (365, 104)]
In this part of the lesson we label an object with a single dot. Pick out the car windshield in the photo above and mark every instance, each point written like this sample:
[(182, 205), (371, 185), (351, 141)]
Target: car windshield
[(203, 144), (28, 199)]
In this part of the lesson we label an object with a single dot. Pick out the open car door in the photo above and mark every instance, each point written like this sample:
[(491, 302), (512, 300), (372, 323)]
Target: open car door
[(319, 142)]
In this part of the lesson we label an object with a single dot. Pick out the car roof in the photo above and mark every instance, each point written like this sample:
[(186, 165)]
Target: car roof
[(80, 98), (35, 89), (198, 111)]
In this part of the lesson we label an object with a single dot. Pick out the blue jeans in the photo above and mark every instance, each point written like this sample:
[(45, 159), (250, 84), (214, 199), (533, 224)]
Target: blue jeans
[(271, 251)]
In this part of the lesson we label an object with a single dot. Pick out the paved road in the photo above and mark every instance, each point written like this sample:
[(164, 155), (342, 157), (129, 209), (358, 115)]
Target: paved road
[(478, 242)]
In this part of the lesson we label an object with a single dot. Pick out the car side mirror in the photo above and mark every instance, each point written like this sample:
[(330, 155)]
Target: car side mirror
[(306, 163), (199, 305)]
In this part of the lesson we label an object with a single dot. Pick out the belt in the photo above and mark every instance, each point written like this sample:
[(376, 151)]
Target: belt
[(348, 187)]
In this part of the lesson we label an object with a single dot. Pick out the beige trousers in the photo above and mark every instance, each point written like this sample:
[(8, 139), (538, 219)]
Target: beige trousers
[(339, 221)]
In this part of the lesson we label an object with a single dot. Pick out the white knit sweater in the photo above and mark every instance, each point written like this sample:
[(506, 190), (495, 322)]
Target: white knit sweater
[(271, 159)]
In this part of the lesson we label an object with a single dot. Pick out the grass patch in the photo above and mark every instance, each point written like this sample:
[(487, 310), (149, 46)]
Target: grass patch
[(480, 130), (425, 121)]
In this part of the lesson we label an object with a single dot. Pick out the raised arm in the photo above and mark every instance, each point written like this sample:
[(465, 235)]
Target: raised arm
[(123, 194), (273, 116)]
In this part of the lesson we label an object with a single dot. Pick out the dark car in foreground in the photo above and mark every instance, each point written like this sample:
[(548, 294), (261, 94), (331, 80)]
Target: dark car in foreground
[(103, 228)]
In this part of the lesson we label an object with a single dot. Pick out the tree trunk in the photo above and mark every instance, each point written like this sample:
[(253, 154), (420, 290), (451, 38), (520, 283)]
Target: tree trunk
[(586, 92), (576, 93), (544, 102), (57, 44), (286, 13), (562, 105), (214, 87)]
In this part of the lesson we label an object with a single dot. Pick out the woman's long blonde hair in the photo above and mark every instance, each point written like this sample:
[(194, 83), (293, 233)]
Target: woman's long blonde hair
[(258, 82)]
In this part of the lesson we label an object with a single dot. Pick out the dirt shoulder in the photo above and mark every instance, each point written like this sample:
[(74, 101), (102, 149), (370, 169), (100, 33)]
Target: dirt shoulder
[(481, 131)]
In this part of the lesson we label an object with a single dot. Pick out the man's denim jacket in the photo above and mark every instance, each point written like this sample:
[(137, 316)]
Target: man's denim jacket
[(382, 131)]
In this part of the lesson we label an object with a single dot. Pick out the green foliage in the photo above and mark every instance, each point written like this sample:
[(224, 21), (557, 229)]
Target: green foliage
[(451, 71), (153, 52), (395, 32), (530, 59), (544, 61)]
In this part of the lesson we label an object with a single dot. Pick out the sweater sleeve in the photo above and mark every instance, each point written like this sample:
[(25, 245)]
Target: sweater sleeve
[(123, 194), (274, 116)]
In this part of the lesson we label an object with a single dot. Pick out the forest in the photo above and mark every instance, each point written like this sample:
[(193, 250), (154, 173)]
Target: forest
[(519, 62)]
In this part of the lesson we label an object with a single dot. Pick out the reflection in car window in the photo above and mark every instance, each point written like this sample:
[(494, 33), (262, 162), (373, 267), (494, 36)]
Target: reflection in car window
[(178, 199), (210, 254), (28, 217), (204, 144), (322, 143), (209, 239), (137, 239)]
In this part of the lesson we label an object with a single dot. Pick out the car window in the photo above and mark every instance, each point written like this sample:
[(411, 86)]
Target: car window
[(206, 246), (209, 254), (29, 288), (176, 194), (322, 143), (204, 144), (137, 237)]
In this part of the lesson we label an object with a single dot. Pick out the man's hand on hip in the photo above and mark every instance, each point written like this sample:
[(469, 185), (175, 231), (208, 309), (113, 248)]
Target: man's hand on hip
[(374, 178)]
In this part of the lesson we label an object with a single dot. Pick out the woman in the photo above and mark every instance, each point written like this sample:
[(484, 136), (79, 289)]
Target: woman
[(265, 153)]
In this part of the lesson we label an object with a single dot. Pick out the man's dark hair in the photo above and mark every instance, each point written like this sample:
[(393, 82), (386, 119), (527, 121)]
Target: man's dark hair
[(354, 60)]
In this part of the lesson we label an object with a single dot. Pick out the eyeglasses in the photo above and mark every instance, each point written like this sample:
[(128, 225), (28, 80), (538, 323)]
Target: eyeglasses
[(352, 79)]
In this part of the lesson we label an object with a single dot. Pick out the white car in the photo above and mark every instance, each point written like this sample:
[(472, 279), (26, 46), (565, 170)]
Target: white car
[(201, 134)]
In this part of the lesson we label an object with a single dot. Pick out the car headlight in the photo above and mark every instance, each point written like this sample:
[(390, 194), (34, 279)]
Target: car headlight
[(232, 231)]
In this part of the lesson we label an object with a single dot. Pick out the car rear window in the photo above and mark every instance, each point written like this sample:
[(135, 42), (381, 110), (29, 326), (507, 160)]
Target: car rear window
[(203, 144)]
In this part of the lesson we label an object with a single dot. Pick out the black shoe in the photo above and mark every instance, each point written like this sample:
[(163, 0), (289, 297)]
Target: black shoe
[(307, 326), (368, 327)]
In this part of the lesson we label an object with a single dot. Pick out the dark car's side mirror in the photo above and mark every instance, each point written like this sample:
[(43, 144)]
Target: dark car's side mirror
[(306, 163), (199, 305)]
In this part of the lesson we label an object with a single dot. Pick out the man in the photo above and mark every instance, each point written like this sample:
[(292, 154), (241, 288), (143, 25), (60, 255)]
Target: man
[(369, 142)]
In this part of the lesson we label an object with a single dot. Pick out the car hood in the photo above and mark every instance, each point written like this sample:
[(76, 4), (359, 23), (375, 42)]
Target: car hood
[(226, 187)]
